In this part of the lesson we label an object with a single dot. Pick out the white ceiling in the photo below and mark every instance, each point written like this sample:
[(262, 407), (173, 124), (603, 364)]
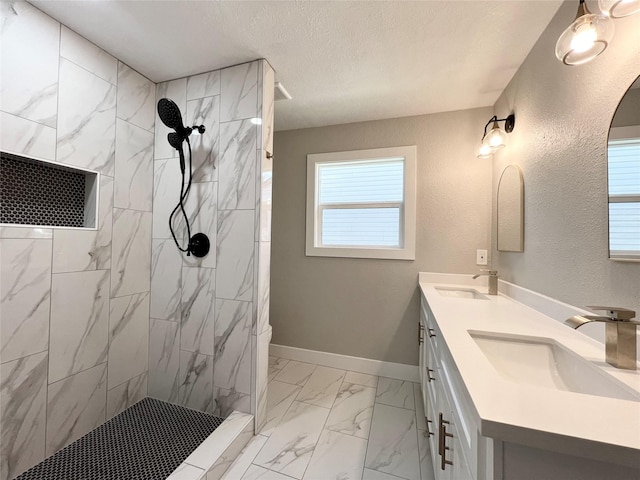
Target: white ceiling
[(343, 61)]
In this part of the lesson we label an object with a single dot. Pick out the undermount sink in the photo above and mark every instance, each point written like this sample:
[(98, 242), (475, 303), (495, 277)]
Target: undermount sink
[(542, 362), (460, 293)]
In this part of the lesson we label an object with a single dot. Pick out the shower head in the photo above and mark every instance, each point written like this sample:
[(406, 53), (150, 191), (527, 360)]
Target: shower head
[(170, 114), (175, 140)]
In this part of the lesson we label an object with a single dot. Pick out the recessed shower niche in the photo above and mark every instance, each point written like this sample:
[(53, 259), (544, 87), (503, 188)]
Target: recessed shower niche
[(39, 193)]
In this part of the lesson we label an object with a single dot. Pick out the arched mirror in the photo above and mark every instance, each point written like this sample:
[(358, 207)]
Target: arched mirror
[(511, 210), (624, 177)]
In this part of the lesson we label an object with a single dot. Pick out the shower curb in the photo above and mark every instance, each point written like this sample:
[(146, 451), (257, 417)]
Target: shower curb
[(217, 452)]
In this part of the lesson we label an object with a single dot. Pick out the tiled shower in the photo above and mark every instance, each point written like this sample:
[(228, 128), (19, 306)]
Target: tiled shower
[(92, 321)]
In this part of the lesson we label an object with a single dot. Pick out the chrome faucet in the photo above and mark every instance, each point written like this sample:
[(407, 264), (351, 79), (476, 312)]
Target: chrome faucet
[(620, 332), (493, 280)]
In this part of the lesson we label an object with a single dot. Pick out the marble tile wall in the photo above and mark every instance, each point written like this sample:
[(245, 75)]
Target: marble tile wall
[(203, 348), (74, 304)]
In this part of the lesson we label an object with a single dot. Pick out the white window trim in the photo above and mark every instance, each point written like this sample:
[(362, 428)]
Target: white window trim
[(623, 133), (408, 210)]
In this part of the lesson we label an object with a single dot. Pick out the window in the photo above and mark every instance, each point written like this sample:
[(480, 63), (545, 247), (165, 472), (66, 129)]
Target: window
[(624, 193), (362, 203)]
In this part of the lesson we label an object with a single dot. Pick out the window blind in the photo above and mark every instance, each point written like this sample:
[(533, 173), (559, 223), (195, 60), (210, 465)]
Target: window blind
[(624, 167), (360, 203), (624, 197)]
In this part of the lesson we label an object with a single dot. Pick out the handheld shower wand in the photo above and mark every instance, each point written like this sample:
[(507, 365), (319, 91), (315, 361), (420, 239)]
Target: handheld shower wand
[(169, 113)]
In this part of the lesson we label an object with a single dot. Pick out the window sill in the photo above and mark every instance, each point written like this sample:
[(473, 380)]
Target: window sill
[(362, 252)]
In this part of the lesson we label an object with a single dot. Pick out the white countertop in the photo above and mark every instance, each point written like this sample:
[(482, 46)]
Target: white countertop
[(584, 425)]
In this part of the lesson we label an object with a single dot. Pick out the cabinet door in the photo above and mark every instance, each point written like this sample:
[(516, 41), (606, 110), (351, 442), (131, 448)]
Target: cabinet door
[(422, 352), (451, 463)]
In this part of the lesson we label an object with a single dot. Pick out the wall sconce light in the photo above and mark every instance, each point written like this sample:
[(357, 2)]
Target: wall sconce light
[(619, 8), (497, 137), (586, 38), (590, 33)]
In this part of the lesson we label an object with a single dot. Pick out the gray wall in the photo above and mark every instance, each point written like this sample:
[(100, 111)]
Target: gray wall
[(628, 112), (369, 308), (562, 120), (74, 305)]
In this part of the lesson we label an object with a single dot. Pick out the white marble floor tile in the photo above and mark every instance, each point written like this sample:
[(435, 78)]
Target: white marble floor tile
[(361, 379), (393, 442), (258, 473), (242, 463), (322, 387), (396, 393), (280, 396), (426, 465), (294, 372), (337, 457), (421, 422), (291, 444), (275, 366), (369, 474), (352, 410)]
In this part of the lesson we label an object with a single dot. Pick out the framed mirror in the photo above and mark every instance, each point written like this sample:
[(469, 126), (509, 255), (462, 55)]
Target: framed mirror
[(624, 177), (510, 222)]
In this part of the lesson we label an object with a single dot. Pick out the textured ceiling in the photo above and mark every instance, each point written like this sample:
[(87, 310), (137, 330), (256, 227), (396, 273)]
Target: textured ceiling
[(343, 61)]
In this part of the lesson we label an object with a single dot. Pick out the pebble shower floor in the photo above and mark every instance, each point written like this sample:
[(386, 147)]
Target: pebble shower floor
[(145, 442)]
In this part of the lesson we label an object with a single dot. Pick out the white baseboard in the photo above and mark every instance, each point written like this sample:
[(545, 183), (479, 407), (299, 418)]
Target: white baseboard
[(398, 371)]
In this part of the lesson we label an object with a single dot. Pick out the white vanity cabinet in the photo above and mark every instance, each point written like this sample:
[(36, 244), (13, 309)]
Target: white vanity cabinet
[(518, 443), (449, 433)]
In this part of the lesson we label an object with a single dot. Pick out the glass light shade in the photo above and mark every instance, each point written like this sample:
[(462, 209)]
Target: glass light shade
[(484, 151), (496, 138), (586, 38), (619, 8)]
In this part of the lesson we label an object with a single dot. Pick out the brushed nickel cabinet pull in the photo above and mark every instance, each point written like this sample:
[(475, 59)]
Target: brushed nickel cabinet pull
[(429, 377), (420, 336), (429, 433), (431, 332), (442, 442)]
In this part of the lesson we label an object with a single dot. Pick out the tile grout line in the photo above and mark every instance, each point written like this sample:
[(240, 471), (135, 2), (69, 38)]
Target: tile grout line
[(46, 403)]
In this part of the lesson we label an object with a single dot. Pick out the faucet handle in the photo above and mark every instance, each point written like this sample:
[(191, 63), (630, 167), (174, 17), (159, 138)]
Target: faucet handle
[(615, 313), (489, 271)]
